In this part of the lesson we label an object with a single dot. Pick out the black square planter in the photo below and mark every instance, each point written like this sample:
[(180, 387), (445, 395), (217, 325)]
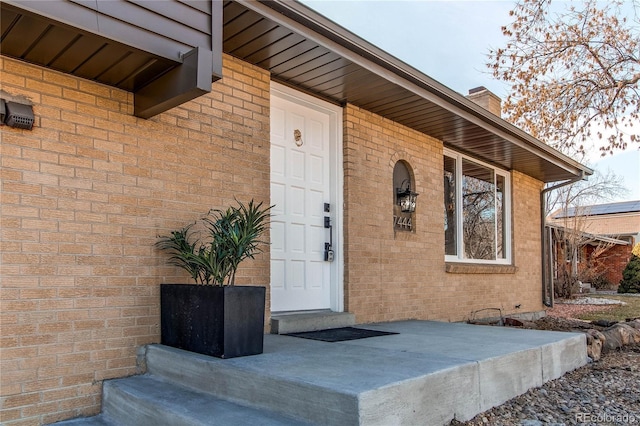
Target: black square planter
[(224, 322)]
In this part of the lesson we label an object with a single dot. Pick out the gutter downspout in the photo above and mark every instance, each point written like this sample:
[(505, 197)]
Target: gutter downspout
[(547, 276)]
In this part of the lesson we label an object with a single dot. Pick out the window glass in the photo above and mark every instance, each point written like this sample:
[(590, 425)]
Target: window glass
[(500, 217), (479, 211), (450, 219), (476, 211)]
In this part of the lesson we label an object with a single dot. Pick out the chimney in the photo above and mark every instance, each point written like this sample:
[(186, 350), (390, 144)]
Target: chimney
[(486, 99)]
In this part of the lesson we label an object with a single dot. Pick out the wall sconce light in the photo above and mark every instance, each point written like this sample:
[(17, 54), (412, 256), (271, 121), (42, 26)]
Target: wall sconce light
[(406, 197), (18, 115)]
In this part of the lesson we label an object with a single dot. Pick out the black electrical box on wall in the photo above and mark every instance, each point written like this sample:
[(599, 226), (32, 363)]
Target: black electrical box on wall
[(18, 115)]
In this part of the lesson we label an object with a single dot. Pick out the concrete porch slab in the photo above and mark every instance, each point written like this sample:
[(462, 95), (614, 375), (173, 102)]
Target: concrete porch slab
[(429, 373)]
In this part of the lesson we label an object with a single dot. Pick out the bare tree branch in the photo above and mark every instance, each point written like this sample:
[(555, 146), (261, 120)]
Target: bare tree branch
[(574, 72)]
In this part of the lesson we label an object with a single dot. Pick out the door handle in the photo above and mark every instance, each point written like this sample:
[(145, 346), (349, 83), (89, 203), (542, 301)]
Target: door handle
[(328, 247)]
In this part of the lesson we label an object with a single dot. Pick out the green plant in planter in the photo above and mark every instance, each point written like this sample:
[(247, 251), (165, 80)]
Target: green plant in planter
[(232, 235), (214, 316)]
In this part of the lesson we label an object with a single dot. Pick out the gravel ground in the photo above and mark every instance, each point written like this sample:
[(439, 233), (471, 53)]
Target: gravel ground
[(606, 392)]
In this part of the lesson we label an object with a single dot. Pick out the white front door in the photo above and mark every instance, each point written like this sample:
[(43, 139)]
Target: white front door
[(305, 175)]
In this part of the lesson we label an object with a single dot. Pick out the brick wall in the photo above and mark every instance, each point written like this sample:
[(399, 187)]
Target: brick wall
[(401, 275), (84, 195), (616, 259), (609, 264)]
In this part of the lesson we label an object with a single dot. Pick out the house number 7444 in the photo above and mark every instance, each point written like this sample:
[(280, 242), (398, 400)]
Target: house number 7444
[(402, 222)]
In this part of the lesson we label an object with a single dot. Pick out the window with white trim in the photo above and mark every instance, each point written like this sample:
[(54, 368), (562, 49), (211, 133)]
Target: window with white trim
[(477, 212)]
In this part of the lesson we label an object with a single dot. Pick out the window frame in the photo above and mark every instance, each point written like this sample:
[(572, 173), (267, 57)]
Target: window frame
[(507, 225)]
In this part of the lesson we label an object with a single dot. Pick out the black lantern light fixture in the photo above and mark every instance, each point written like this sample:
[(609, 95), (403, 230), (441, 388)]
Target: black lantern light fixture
[(406, 197)]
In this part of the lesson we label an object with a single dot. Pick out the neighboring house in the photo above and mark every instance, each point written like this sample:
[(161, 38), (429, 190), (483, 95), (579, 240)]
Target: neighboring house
[(131, 139), (603, 237)]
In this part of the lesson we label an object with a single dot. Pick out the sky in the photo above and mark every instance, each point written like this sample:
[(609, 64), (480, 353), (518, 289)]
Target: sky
[(449, 40)]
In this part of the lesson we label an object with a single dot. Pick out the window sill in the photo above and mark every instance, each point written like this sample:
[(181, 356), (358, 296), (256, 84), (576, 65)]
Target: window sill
[(474, 268)]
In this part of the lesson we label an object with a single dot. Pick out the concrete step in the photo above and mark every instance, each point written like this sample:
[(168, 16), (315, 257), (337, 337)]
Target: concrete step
[(147, 400), (150, 401), (296, 322), (243, 380), (586, 288), (99, 420)]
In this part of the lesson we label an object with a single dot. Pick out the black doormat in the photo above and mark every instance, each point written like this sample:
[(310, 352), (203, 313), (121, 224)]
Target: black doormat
[(340, 334)]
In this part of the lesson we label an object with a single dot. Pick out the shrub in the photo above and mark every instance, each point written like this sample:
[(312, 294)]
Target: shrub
[(630, 282)]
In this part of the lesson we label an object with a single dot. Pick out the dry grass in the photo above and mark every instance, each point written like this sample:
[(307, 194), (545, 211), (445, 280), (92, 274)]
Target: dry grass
[(574, 311), (613, 312)]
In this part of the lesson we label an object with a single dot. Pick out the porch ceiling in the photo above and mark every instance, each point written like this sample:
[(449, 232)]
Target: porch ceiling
[(307, 51), (43, 41)]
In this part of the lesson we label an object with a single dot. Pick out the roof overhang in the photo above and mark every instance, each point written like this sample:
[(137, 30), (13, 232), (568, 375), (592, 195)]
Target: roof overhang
[(166, 53), (589, 238), (160, 51), (305, 50)]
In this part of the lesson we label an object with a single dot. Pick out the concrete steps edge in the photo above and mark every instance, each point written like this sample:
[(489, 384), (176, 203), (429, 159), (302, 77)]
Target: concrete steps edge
[(227, 380), (149, 401), (297, 322)]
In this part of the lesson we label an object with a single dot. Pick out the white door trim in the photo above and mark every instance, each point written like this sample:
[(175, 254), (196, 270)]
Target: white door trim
[(337, 182)]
